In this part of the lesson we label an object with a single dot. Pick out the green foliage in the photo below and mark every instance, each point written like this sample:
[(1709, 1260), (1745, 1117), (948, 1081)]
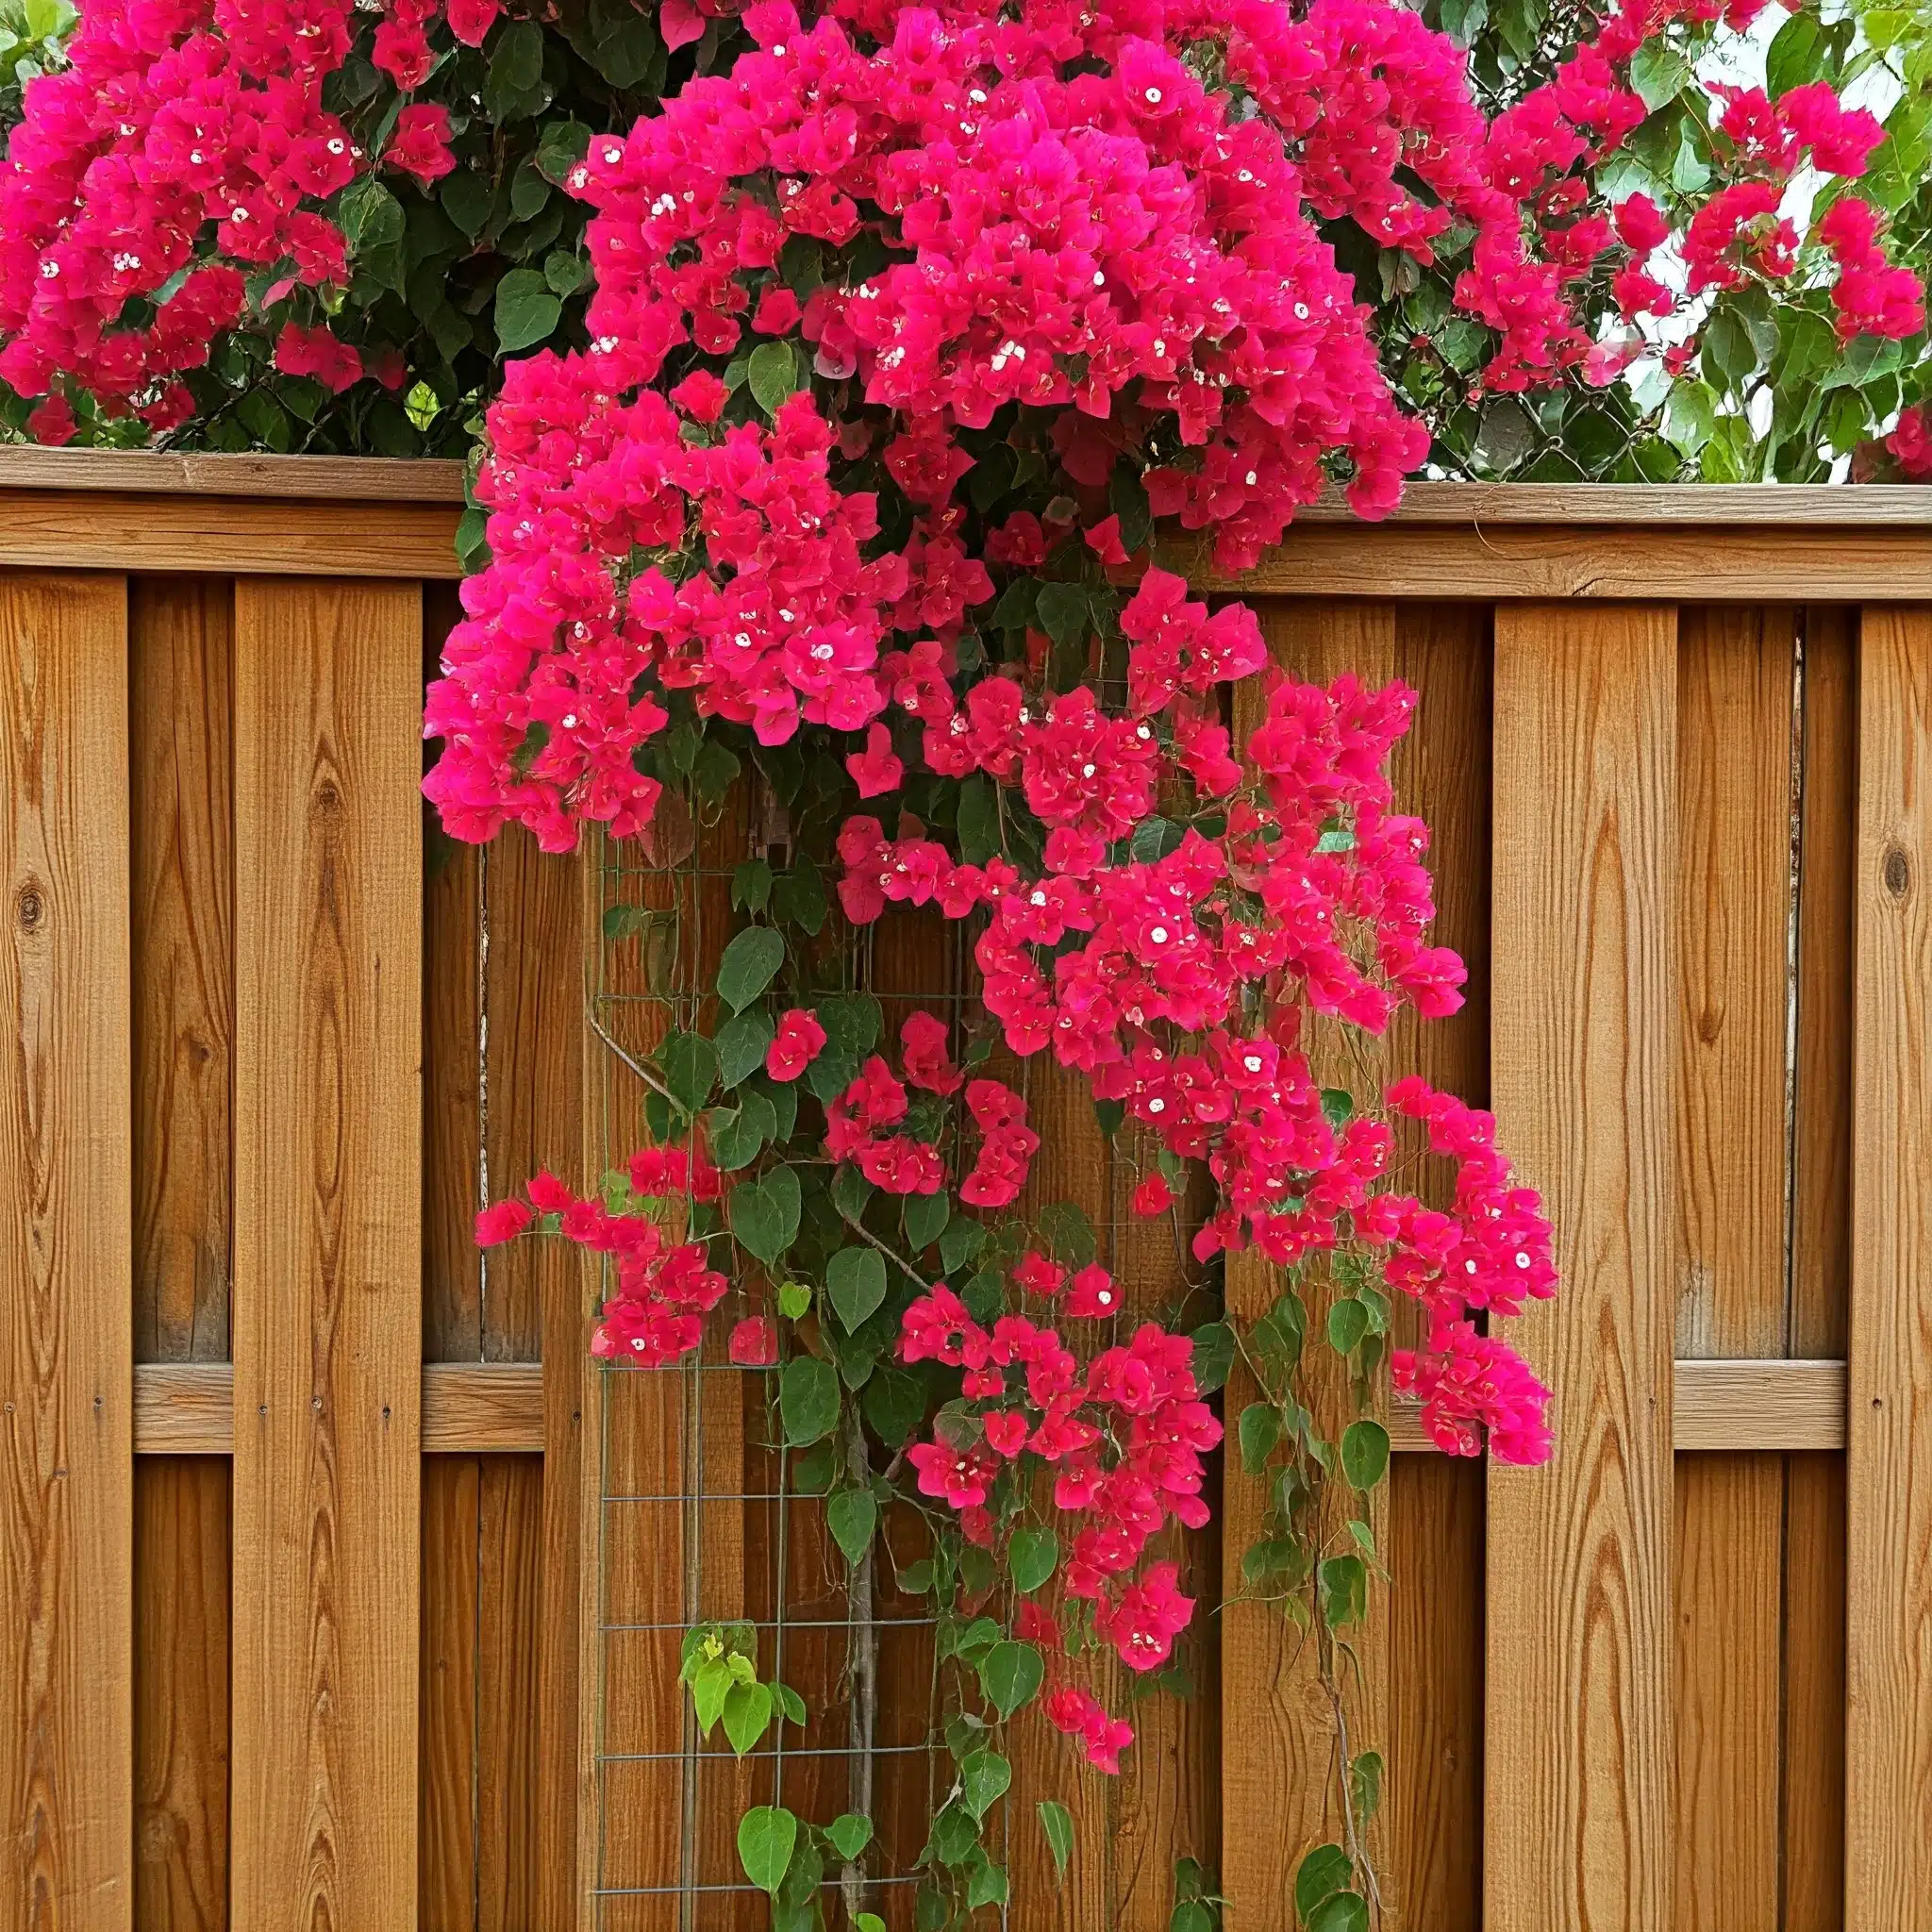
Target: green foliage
[(718, 1667), (1011, 1674), (1057, 1823), (751, 962), (767, 1837)]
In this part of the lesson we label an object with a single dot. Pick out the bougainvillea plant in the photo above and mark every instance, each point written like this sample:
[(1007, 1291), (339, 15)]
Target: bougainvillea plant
[(395, 175), (888, 338)]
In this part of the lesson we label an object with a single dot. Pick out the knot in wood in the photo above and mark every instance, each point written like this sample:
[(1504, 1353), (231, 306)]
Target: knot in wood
[(30, 908), (1898, 872)]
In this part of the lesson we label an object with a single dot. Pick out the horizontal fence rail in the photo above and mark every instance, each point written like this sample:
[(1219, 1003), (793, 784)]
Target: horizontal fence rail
[(316, 1599)]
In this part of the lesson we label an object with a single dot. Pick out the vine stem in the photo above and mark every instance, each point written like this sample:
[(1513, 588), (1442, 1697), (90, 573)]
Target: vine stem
[(637, 1066), (1324, 1652), (892, 1255), (862, 1667)]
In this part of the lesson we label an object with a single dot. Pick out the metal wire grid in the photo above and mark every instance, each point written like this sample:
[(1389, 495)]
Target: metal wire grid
[(697, 892)]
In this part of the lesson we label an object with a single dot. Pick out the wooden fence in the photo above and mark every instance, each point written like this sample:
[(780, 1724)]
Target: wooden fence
[(306, 1569)]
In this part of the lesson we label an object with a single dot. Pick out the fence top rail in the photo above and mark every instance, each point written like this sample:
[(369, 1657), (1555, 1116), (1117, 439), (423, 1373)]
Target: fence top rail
[(402, 479)]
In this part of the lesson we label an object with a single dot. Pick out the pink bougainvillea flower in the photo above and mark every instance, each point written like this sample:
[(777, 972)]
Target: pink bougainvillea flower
[(419, 144), (317, 353), (875, 769), (924, 1056), (501, 1223), (795, 1045), (753, 1342)]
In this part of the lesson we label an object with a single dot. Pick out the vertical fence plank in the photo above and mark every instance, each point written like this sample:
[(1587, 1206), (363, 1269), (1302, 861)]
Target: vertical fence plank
[(1578, 1776), (328, 1226), (179, 646), (1279, 1760), (181, 1634), (1735, 670), (1888, 1763), (1434, 1784), (1814, 1581), (533, 1308), (510, 1741), (446, 1767), (180, 641), (66, 1328)]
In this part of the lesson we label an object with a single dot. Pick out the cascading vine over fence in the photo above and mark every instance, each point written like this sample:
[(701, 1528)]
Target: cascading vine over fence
[(1715, 1066)]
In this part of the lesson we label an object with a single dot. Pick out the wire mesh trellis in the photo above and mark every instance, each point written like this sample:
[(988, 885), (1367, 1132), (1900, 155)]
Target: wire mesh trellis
[(700, 1520)]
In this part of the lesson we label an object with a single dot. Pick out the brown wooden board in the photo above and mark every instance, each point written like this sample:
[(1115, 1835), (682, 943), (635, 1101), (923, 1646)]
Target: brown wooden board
[(1736, 680), (66, 1218), (1889, 1630), (1433, 1550), (534, 1304), (180, 813), (1577, 1811), (328, 1226), (181, 1694)]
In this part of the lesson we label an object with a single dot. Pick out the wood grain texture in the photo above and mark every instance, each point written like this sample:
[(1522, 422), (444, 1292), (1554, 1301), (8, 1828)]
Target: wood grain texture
[(184, 1408), (84, 530), (180, 647), (66, 1215), (1433, 1828), (1728, 1689), (181, 641), (1280, 1770), (419, 479), (446, 1748), (1736, 680), (536, 1303), (1719, 506), (1814, 1743), (1735, 683), (469, 1409), (1814, 1732), (181, 1694), (1746, 1406), (482, 1407), (328, 1223), (1738, 1406), (1511, 562), (1577, 1825), (514, 1752), (1433, 1787), (1889, 1655), (320, 479)]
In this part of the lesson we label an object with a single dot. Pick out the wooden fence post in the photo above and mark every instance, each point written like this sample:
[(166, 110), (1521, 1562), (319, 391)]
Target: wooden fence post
[(327, 1309), (1889, 1630), (1579, 1767), (66, 1260)]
